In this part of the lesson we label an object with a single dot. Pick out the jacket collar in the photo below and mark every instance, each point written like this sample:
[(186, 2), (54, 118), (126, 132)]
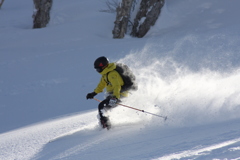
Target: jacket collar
[(110, 67)]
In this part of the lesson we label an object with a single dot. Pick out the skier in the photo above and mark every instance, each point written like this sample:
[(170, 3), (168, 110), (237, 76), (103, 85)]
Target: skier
[(113, 82)]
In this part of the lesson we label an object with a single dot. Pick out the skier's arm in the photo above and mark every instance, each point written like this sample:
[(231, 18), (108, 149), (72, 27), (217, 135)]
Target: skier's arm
[(101, 85)]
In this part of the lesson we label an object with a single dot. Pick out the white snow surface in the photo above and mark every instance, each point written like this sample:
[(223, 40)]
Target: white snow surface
[(187, 68)]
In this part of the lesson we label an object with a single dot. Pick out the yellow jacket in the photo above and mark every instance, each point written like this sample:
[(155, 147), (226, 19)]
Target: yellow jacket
[(112, 83)]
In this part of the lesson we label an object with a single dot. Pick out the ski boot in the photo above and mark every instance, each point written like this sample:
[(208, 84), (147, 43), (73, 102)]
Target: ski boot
[(105, 123)]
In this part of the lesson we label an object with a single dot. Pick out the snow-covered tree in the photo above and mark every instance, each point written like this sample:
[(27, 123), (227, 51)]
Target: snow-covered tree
[(146, 17), (122, 18), (41, 15)]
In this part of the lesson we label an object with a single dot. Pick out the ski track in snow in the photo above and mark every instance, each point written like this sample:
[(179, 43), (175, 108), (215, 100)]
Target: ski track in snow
[(200, 152), (26, 142), (41, 141)]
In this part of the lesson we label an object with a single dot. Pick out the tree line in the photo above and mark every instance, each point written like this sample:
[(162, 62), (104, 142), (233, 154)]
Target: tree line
[(147, 13)]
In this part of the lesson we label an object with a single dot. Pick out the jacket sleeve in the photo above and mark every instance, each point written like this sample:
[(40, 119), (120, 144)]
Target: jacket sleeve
[(115, 79), (101, 85)]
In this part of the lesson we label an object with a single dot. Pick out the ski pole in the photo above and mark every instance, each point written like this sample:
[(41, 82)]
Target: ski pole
[(165, 117)]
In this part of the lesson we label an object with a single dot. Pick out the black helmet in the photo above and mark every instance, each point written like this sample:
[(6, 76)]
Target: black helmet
[(101, 63)]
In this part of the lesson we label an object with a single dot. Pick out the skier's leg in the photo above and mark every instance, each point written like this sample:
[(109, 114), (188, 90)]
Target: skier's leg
[(104, 120), (101, 107)]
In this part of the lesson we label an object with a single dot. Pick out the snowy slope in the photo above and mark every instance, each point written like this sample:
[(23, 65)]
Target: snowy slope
[(187, 68)]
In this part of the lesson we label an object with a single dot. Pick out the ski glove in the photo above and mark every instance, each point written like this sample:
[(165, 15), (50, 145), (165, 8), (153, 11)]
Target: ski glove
[(91, 95)]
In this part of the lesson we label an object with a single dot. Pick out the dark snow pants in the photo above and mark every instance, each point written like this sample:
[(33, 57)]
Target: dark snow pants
[(103, 105)]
